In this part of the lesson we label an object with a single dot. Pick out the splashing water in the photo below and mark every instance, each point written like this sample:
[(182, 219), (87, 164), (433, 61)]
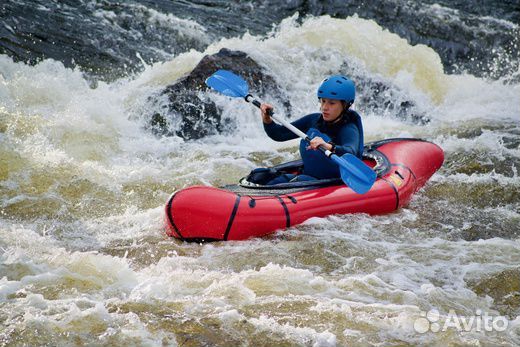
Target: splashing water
[(83, 256)]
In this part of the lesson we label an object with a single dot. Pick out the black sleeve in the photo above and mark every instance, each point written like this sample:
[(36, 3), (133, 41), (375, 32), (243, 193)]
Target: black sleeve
[(278, 132)]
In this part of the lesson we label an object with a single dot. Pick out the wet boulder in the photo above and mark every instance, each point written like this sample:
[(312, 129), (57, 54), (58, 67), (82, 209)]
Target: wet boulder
[(380, 96), (185, 108), (503, 287), (384, 99)]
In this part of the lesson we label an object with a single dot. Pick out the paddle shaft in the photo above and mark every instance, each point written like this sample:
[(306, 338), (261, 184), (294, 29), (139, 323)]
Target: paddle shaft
[(295, 130)]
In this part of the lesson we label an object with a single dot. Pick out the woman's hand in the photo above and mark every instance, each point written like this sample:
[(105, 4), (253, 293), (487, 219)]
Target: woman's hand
[(318, 141), (264, 108)]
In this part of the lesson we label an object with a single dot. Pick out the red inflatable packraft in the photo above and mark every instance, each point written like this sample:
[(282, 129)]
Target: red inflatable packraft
[(238, 212)]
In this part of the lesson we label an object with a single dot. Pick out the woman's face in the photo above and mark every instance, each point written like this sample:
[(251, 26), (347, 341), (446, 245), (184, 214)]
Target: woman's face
[(331, 109)]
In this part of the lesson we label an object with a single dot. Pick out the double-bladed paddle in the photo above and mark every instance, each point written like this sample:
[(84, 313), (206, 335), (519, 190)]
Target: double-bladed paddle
[(354, 172)]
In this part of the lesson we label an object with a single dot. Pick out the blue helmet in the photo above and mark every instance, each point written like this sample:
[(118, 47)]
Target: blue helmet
[(337, 87)]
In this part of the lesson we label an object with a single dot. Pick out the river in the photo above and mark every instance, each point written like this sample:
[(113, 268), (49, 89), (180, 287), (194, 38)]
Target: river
[(83, 255)]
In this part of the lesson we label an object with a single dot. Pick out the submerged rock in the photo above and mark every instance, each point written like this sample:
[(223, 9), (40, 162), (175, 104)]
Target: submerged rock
[(189, 113), (504, 288)]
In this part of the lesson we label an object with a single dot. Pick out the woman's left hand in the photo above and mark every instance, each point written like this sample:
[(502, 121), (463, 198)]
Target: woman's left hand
[(318, 141)]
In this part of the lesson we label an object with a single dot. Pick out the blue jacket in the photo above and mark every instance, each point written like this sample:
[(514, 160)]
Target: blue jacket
[(346, 134)]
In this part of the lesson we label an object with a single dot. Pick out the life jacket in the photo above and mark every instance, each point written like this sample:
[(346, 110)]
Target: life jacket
[(315, 163)]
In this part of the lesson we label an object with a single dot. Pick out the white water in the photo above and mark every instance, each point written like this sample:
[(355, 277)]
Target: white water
[(83, 256)]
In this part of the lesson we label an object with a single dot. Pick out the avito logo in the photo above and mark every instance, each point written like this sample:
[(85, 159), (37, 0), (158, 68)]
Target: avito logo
[(481, 321)]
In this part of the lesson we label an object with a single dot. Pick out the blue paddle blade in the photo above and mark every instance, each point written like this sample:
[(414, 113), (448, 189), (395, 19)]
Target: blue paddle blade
[(228, 84), (356, 174)]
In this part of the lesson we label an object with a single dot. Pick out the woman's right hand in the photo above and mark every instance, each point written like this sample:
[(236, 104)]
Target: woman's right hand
[(264, 108)]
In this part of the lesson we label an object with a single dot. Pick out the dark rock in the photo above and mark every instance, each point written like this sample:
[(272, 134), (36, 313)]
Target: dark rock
[(469, 36), (479, 37), (189, 112), (381, 97)]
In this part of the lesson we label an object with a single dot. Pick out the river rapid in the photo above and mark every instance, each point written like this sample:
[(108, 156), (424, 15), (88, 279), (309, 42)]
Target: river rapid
[(83, 255)]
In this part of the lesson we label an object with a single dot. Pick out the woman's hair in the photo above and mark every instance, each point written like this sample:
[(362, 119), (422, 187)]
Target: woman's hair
[(346, 105), (348, 115)]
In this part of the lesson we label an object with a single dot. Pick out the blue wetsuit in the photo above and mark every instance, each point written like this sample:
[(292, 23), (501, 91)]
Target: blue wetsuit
[(346, 134)]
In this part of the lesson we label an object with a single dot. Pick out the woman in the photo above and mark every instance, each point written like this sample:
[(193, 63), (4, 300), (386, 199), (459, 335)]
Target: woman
[(337, 128)]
